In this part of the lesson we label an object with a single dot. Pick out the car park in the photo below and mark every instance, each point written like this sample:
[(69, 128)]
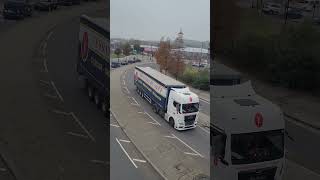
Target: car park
[(272, 8), (17, 9), (115, 64), (46, 5)]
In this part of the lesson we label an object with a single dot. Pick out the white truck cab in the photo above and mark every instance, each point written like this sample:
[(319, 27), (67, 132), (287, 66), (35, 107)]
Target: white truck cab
[(182, 108), (247, 135)]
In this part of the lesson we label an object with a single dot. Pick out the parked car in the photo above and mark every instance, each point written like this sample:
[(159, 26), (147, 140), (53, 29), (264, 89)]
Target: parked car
[(131, 61), (272, 8), (124, 62), (115, 65), (46, 5), (294, 13), (17, 8), (68, 2), (137, 60)]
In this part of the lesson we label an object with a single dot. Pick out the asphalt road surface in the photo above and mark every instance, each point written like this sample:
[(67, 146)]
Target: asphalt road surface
[(127, 162)]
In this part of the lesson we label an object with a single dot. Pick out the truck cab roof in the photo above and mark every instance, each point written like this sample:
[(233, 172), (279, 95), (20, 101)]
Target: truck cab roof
[(238, 109), (185, 96)]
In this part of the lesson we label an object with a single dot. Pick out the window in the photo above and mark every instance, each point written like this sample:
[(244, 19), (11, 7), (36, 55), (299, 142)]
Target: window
[(190, 108), (256, 147)]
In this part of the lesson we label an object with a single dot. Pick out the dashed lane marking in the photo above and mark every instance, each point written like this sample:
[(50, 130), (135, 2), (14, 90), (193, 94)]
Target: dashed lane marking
[(140, 112), (45, 82), (153, 123), (55, 88), (195, 152), (170, 137), (153, 118), (51, 96), (78, 135), (204, 129), (82, 126), (126, 153), (49, 35), (126, 89), (126, 141), (45, 65), (60, 112), (139, 160), (114, 125)]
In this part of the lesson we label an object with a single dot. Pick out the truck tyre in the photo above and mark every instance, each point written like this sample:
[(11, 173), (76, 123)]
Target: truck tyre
[(155, 109), (171, 122), (96, 99), (90, 92)]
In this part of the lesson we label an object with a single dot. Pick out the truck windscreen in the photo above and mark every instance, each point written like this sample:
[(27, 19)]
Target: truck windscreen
[(257, 147), (190, 108)]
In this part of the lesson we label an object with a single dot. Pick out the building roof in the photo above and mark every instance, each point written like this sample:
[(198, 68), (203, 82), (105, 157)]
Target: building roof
[(193, 50)]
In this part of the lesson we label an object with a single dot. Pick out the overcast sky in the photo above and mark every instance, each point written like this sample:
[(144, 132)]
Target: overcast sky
[(152, 19)]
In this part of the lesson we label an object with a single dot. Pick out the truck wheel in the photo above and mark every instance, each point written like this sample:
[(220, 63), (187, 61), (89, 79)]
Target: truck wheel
[(155, 109), (171, 122), (90, 92), (96, 99)]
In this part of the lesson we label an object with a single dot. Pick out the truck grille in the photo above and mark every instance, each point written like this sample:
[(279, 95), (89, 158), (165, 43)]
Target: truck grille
[(189, 120), (258, 174)]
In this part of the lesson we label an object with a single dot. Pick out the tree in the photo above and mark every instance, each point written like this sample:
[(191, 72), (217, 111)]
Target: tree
[(176, 64), (136, 46), (126, 49), (118, 52), (162, 55)]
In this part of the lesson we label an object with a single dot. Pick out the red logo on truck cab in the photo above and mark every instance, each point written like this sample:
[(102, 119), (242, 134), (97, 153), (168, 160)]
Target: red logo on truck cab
[(84, 46), (258, 119)]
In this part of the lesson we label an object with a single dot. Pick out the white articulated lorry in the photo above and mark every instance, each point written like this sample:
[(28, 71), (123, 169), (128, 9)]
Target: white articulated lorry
[(247, 135), (170, 98)]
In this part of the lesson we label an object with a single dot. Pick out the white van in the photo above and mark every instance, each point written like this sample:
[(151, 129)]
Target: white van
[(247, 135)]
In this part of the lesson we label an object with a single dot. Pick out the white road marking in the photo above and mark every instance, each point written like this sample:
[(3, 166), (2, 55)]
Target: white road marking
[(49, 35), (78, 135), (204, 129), (153, 123), (139, 160), (50, 96), (126, 141), (187, 145), (124, 82), (114, 125), (60, 112), (204, 100), (55, 88), (193, 154), (82, 126), (170, 137), (45, 65), (99, 162), (44, 48), (126, 89), (45, 82), (135, 100), (126, 153), (3, 169), (140, 112), (152, 118)]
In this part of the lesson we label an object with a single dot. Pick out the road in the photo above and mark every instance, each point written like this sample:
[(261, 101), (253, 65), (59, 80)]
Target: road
[(61, 66)]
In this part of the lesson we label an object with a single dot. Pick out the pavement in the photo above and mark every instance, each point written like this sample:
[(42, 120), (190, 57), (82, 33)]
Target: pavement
[(175, 155), (39, 143)]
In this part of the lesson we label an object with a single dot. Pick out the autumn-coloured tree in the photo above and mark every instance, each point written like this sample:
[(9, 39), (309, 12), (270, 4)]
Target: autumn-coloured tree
[(176, 64), (162, 55)]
